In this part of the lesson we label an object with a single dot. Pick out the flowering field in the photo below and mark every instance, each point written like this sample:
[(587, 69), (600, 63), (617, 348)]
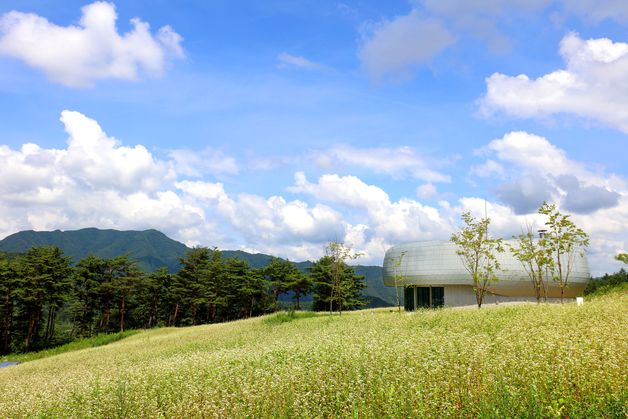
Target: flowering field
[(527, 360)]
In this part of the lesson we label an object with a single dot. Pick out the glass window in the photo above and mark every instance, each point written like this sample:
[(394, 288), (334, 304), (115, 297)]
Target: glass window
[(424, 297), (408, 298), (438, 296)]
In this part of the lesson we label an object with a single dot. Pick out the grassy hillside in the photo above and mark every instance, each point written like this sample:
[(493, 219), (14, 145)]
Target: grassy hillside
[(507, 361)]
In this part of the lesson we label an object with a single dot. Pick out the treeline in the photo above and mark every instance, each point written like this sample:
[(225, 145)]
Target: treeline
[(607, 281), (42, 288)]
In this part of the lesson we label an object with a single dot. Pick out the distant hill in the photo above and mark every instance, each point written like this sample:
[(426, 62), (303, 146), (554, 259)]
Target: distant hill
[(153, 249)]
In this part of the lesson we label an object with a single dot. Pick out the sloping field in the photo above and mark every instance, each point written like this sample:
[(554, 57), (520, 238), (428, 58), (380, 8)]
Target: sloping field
[(505, 361)]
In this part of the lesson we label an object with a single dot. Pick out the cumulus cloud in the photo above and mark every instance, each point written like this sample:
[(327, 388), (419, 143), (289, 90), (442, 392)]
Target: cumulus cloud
[(540, 171), (395, 48), (526, 195), (94, 181), (593, 85), (392, 222), (78, 55), (585, 199), (398, 162), (267, 221), (98, 181), (531, 153)]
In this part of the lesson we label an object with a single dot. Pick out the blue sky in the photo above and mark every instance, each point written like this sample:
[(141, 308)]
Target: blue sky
[(277, 126)]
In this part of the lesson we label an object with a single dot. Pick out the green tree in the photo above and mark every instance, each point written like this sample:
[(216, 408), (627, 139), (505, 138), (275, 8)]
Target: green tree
[(245, 289), (478, 253), (281, 276), (90, 272), (9, 282), (152, 296), (335, 285), (398, 275), (536, 260), (342, 284), (564, 242), (45, 276), (622, 257), (300, 285), (126, 277)]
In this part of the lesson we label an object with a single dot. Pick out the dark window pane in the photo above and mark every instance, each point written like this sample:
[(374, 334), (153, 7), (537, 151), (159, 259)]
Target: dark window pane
[(424, 297), (408, 298), (438, 296)]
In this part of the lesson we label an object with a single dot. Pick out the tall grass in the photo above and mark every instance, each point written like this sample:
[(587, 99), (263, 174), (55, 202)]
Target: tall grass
[(75, 345), (516, 361)]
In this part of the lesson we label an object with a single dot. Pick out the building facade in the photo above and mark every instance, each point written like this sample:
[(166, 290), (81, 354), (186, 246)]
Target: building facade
[(433, 275)]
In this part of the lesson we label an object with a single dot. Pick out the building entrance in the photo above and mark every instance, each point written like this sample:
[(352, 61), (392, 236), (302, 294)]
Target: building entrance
[(423, 297)]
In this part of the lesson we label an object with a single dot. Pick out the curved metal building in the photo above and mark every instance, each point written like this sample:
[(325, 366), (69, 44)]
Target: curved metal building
[(433, 275)]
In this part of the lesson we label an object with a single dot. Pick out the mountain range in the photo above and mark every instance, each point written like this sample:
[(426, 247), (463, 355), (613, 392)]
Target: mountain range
[(152, 249)]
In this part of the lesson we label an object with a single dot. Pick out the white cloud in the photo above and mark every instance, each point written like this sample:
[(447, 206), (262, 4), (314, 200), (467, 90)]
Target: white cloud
[(396, 162), (93, 50), (270, 220), (390, 222), (533, 153), (197, 163), (286, 60), (97, 181), (487, 169), (94, 181), (395, 48), (594, 85), (535, 170), (541, 171), (427, 190)]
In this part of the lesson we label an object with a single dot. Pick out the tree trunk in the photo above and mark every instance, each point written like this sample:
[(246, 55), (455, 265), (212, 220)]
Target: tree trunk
[(7, 323), (122, 315), (33, 320), (176, 312)]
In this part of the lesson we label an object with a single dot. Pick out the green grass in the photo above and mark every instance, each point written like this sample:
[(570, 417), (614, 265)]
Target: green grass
[(75, 345), (609, 289), (288, 316), (507, 361)]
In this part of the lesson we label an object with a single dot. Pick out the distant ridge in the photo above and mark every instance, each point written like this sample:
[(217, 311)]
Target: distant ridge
[(152, 249)]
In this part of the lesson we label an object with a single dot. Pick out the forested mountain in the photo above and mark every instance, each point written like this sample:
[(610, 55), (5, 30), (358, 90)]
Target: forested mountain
[(153, 249)]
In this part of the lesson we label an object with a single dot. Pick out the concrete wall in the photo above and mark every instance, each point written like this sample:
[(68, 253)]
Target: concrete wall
[(463, 295)]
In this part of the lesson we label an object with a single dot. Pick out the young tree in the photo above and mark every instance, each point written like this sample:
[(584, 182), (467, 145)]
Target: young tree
[(477, 252), (536, 260), (564, 241), (398, 276), (342, 285), (335, 284)]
